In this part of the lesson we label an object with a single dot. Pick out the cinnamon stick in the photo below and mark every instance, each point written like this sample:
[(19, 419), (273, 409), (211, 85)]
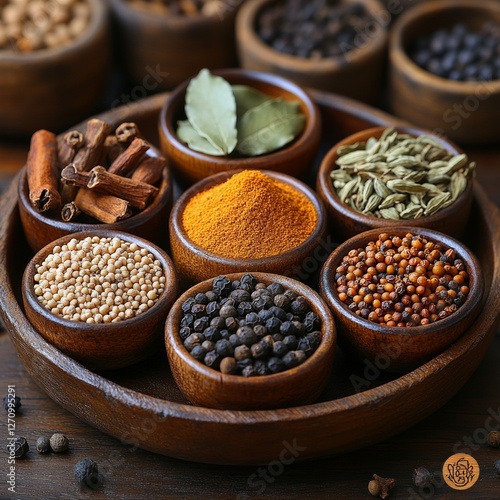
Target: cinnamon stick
[(72, 177), (126, 132), (41, 171), (137, 193), (149, 170), (69, 146), (129, 159), (70, 211), (103, 207)]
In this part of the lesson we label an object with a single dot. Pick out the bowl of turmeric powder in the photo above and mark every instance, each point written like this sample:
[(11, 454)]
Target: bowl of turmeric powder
[(248, 220), (231, 119)]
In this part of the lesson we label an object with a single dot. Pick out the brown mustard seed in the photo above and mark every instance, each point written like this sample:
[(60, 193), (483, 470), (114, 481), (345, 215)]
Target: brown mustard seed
[(403, 282), (99, 280)]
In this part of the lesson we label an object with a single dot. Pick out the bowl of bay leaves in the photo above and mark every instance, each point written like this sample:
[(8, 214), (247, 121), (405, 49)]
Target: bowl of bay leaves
[(239, 119), (383, 177)]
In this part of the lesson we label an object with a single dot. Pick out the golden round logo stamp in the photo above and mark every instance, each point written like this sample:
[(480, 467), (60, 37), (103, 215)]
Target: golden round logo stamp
[(460, 471)]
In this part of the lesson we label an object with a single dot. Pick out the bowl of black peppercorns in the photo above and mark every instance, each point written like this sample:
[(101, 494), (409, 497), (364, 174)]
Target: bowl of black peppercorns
[(250, 342), (333, 46), (445, 55), (402, 295)]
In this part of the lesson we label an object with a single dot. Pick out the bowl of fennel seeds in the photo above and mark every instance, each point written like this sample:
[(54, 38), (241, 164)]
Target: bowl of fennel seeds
[(387, 176)]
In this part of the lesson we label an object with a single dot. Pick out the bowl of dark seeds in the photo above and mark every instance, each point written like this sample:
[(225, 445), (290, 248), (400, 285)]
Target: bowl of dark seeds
[(445, 55), (250, 341), (401, 296), (383, 176), (329, 45)]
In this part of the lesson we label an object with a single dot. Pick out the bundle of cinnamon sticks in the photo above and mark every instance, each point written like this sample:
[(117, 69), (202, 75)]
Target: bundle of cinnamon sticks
[(107, 176)]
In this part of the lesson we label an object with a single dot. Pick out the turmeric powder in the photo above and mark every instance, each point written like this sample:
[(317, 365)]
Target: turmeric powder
[(250, 216)]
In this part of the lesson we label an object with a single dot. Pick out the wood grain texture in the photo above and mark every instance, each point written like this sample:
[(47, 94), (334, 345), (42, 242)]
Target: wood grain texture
[(54, 89), (467, 112), (342, 420), (296, 158)]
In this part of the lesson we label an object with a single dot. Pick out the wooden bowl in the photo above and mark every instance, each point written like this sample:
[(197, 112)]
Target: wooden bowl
[(208, 387), (359, 78), (194, 264), (296, 158), (400, 349), (54, 88), (42, 228), (467, 112), (159, 52), (346, 222), (103, 346)]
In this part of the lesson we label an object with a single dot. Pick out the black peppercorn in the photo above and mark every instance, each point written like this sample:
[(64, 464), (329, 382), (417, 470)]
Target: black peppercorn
[(280, 349), (422, 477), (218, 322), (187, 304), (247, 335), (208, 345), (242, 352), (299, 306), (43, 445), (59, 442), (249, 280), (260, 330), (291, 342), (288, 328), (201, 323), (273, 325), (235, 340), (278, 313), (201, 298), (258, 350), (19, 445), (249, 371), (242, 363), (211, 333), (212, 359), (212, 309), (198, 310), (276, 365), (224, 348), (275, 288), (185, 332), (294, 358), (231, 324), (311, 321), (282, 301), (244, 308), (222, 286), (240, 296), (228, 365), (252, 319), (192, 340), (228, 311), (187, 320), (86, 473)]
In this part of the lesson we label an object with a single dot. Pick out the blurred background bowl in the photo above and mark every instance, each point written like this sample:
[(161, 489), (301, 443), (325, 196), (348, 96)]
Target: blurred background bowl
[(467, 112), (55, 87), (296, 158), (357, 73)]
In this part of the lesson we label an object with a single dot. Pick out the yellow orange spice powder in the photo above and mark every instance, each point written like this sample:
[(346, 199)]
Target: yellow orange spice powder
[(249, 216)]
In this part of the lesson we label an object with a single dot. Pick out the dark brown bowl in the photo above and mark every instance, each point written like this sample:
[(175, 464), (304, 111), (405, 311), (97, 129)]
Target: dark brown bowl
[(159, 52), (347, 222), (194, 264), (42, 228), (102, 346), (296, 158), (205, 386), (467, 112), (54, 88), (358, 74), (400, 349)]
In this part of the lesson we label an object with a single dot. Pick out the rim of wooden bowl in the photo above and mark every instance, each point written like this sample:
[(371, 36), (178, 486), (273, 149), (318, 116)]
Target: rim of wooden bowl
[(301, 144), (471, 304), (316, 361), (177, 230), (98, 22), (246, 23), (425, 10), (324, 185)]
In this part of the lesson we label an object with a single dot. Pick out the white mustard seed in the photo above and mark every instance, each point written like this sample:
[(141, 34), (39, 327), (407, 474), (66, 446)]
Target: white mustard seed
[(99, 280)]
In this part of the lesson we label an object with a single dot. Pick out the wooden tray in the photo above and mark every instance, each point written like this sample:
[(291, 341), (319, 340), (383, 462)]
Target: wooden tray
[(142, 405)]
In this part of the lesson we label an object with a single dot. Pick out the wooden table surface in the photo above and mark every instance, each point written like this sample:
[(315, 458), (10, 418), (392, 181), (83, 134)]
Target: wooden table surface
[(459, 426)]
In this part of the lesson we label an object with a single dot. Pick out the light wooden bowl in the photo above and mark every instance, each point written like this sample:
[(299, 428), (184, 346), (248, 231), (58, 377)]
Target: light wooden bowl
[(399, 349), (54, 88), (195, 264), (359, 78), (103, 346), (296, 158), (346, 222), (467, 112), (208, 387), (160, 52)]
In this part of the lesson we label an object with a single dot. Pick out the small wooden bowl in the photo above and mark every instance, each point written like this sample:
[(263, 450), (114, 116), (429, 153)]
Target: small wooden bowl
[(296, 158), (194, 264), (398, 349), (208, 387), (159, 52), (360, 77), (467, 112), (346, 222), (42, 228), (104, 346), (54, 88)]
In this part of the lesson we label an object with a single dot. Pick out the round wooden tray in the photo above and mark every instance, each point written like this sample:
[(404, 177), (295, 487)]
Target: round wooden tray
[(142, 405)]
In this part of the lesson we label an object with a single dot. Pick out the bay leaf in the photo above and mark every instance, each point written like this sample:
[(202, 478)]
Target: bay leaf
[(269, 126), (211, 110), (247, 98), (195, 141)]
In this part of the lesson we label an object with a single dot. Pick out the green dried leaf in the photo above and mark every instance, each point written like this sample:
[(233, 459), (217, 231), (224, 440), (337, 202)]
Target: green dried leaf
[(195, 141), (247, 98), (269, 126), (211, 110)]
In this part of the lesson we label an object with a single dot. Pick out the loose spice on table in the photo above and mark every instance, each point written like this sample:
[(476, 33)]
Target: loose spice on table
[(245, 327), (402, 282), (249, 216)]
